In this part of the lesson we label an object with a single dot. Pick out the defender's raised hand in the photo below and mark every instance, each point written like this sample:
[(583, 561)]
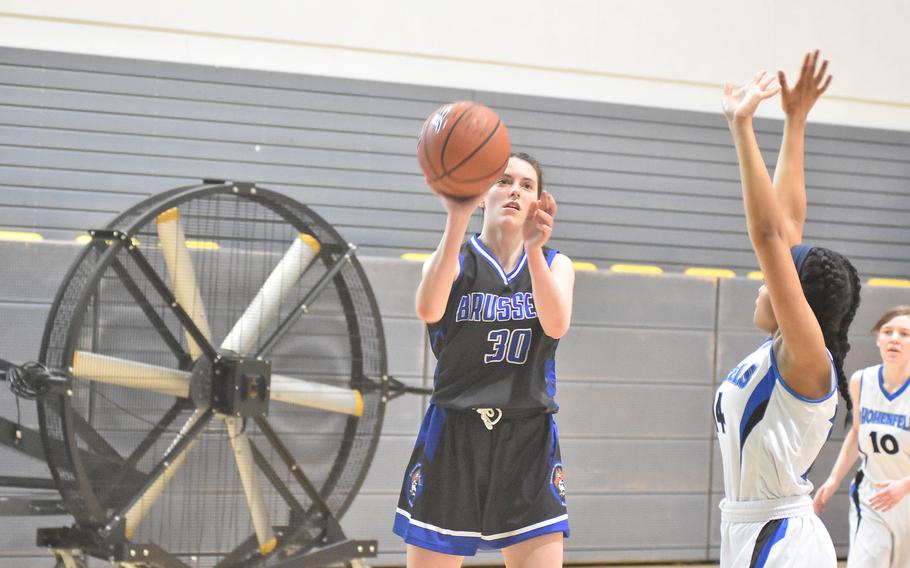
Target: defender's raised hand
[(797, 100), (741, 103)]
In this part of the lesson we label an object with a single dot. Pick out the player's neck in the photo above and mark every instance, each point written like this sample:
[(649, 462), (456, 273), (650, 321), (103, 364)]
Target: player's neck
[(506, 246), (895, 375)]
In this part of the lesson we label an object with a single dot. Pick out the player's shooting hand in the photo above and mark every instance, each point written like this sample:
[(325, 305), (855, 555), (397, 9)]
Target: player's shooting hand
[(456, 205)]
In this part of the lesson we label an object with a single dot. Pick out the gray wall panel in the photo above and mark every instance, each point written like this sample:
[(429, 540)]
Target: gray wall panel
[(24, 324), (622, 466), (36, 270), (636, 379), (876, 301), (637, 411), (671, 517), (151, 125), (603, 298), (629, 355), (394, 283), (28, 197)]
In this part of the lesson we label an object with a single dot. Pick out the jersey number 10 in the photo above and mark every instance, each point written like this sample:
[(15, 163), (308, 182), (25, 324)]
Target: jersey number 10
[(509, 345), (888, 443)]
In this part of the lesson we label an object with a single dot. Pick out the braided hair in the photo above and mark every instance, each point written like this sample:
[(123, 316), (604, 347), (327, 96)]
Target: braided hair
[(831, 285)]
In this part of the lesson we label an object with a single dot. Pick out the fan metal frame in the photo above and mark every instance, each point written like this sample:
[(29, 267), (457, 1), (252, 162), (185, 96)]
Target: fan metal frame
[(100, 531)]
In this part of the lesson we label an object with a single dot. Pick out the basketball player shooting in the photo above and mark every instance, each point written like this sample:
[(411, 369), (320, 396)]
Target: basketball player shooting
[(486, 470)]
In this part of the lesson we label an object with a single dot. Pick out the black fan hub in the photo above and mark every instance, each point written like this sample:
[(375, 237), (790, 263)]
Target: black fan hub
[(232, 385)]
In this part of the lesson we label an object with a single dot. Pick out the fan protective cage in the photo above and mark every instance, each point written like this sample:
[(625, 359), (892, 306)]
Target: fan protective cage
[(103, 439)]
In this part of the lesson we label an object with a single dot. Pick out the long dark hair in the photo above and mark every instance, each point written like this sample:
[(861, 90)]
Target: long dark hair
[(831, 286)]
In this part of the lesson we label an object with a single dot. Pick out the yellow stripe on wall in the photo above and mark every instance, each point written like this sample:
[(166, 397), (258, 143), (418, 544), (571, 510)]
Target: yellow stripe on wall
[(581, 266), (415, 256), (889, 282), (636, 269), (21, 236), (710, 272), (202, 245)]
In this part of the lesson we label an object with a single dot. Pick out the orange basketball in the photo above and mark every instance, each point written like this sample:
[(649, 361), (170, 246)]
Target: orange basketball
[(463, 148)]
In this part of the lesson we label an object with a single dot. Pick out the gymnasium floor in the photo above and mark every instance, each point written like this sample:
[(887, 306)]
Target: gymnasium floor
[(840, 564)]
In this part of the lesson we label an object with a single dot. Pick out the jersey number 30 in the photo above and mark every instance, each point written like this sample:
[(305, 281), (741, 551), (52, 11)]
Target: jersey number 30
[(508, 345)]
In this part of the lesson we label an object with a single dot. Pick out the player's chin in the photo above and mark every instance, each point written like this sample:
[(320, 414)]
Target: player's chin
[(512, 216)]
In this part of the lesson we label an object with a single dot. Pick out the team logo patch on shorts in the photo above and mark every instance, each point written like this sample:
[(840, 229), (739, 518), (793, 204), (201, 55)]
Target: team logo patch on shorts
[(558, 483), (415, 484)]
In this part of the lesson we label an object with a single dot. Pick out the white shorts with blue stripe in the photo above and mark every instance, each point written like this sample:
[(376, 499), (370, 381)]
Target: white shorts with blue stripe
[(778, 533)]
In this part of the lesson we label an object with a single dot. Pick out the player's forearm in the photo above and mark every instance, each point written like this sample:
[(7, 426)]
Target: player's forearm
[(439, 271), (553, 304), (763, 213), (849, 452), (789, 178)]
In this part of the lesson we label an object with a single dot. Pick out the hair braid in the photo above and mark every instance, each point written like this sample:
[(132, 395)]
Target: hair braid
[(831, 285)]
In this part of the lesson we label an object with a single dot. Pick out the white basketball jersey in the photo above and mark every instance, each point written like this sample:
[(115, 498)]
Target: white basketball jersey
[(769, 435), (884, 428)]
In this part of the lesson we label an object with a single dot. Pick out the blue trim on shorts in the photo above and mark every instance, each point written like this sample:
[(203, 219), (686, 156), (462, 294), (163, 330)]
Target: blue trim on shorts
[(554, 440), (431, 429), (432, 540), (775, 538), (560, 526), (466, 543)]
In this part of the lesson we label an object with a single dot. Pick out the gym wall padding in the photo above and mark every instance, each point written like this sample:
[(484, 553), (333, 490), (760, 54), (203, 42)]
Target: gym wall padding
[(84, 137), (637, 373)]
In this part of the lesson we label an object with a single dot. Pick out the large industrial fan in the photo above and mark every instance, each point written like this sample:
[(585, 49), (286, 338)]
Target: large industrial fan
[(213, 387)]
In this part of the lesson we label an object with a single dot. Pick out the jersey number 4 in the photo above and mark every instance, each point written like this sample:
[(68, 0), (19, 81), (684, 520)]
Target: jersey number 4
[(508, 345), (720, 422)]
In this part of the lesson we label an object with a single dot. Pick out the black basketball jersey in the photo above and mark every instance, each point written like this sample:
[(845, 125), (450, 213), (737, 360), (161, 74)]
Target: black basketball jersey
[(491, 349)]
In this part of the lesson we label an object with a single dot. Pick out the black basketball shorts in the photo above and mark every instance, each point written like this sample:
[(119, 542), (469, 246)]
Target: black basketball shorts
[(482, 479)]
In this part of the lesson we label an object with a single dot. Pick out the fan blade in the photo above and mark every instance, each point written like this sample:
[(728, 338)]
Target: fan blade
[(316, 395), (173, 382), (183, 277), (141, 508), (130, 374), (263, 307), (243, 454)]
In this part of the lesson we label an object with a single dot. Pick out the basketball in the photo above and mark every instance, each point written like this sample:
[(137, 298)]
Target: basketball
[(463, 148)]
